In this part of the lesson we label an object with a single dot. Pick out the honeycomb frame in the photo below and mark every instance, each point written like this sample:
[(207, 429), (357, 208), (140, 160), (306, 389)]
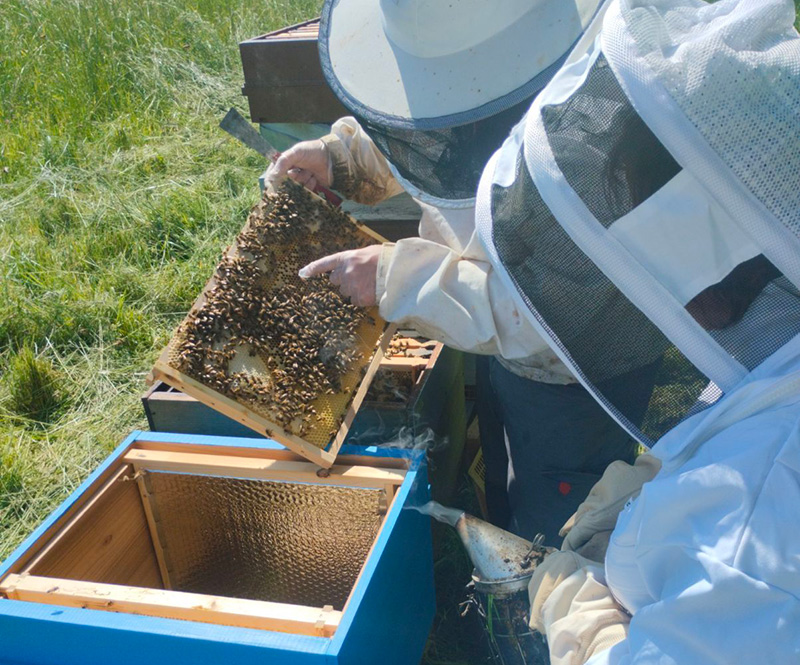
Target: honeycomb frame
[(316, 438)]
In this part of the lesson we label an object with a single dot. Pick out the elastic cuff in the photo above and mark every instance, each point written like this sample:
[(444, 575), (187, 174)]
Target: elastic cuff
[(384, 260), (340, 168)]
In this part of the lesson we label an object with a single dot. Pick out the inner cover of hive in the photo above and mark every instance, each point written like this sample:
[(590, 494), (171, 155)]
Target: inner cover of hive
[(292, 352), (292, 543)]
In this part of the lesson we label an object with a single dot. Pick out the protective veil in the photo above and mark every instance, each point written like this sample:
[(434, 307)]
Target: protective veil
[(446, 81), (647, 211)]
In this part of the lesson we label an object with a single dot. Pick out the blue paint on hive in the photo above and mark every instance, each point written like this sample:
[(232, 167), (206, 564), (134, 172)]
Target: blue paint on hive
[(386, 620)]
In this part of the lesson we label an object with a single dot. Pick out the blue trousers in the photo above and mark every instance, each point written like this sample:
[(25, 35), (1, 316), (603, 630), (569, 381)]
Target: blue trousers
[(546, 445)]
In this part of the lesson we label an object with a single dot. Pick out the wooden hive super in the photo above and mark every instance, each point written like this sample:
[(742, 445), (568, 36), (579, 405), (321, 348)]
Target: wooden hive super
[(288, 358), (193, 549)]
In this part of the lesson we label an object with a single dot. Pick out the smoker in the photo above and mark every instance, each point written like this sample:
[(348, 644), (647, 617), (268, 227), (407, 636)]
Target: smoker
[(498, 592)]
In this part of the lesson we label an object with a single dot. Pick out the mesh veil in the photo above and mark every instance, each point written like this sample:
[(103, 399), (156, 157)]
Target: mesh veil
[(634, 257)]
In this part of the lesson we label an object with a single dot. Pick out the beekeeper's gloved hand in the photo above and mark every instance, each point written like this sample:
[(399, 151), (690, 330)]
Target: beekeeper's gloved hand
[(353, 271), (588, 530), (307, 162), (572, 606)]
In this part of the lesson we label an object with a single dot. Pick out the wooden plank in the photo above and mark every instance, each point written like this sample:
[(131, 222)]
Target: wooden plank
[(107, 541), (155, 536), (397, 463), (285, 618), (261, 469), (403, 363)]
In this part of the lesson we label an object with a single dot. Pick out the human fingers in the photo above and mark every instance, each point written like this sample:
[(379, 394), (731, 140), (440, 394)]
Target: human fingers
[(300, 175), (283, 164), (321, 266)]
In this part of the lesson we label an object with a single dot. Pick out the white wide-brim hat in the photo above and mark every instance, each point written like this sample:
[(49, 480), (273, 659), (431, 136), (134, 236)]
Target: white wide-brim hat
[(426, 64)]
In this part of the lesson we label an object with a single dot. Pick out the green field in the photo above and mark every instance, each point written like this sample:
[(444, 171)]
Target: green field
[(117, 193)]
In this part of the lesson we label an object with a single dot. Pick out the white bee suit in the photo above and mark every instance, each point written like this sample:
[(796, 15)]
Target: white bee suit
[(442, 282), (659, 176)]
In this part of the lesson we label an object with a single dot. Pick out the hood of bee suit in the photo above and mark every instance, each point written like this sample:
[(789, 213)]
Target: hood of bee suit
[(439, 85), (646, 213)]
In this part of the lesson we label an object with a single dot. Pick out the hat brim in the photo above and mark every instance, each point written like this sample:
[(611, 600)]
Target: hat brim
[(385, 84)]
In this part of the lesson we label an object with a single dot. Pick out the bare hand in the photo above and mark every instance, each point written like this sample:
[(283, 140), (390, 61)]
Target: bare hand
[(353, 271)]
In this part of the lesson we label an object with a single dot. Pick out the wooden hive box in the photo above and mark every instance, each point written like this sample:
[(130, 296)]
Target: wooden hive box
[(434, 404), (197, 549), (283, 79)]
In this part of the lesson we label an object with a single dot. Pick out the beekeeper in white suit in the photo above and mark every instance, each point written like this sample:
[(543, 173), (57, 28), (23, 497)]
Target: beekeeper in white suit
[(436, 87), (691, 253)]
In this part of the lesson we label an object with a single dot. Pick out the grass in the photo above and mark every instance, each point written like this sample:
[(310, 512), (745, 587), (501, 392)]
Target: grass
[(117, 194)]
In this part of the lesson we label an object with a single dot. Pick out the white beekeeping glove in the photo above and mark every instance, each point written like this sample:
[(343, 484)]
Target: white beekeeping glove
[(307, 162), (574, 609), (588, 530)]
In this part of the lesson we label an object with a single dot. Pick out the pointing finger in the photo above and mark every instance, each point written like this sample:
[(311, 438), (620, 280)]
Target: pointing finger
[(321, 266), (283, 164)]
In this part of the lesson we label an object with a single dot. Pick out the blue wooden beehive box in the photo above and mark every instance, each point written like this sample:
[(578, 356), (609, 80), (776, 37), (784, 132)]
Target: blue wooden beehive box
[(183, 549)]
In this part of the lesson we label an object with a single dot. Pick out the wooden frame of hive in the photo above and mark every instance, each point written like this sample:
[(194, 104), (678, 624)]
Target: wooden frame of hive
[(53, 609), (325, 457)]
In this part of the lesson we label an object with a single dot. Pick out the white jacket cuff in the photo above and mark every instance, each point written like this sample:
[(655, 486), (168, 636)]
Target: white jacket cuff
[(383, 269)]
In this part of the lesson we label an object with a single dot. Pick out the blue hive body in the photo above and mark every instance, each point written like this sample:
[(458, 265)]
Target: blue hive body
[(386, 620)]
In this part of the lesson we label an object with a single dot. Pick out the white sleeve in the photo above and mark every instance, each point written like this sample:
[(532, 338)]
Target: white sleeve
[(710, 614), (708, 555), (581, 617), (360, 171), (444, 285)]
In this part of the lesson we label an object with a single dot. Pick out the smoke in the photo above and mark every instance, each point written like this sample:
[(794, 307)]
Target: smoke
[(411, 438), (406, 437)]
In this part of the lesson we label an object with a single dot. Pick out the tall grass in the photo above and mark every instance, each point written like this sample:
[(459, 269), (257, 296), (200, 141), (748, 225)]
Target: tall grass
[(117, 193)]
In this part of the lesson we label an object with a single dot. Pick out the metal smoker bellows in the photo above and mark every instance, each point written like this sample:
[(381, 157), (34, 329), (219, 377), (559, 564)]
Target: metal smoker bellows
[(504, 564)]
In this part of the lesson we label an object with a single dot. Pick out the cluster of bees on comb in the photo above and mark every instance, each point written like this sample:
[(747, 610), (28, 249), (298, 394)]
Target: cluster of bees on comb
[(263, 336)]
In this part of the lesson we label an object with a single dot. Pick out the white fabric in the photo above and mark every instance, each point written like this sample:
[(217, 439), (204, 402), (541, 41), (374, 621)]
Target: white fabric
[(582, 619), (707, 559), (684, 238), (443, 283), (598, 513), (485, 53), (678, 61), (416, 25), (357, 160)]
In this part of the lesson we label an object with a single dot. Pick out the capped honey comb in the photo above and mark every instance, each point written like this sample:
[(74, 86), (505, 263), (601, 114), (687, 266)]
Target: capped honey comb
[(288, 357)]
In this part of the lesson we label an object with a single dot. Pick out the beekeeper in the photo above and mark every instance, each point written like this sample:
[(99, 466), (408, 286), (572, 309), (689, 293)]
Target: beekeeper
[(435, 87), (658, 175)]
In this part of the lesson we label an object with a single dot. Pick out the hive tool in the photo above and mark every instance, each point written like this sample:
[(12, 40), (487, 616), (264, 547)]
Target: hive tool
[(240, 129)]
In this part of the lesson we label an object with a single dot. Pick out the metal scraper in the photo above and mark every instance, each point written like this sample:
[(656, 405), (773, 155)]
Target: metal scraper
[(240, 129)]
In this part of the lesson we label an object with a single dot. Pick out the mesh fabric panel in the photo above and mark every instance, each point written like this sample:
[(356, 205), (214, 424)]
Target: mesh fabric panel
[(770, 321), (604, 334), (445, 163), (614, 162), (734, 69), (604, 149), (280, 542)]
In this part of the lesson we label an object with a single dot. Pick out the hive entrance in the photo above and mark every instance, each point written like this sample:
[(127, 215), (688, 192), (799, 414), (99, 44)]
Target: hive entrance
[(257, 541), (288, 357)]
